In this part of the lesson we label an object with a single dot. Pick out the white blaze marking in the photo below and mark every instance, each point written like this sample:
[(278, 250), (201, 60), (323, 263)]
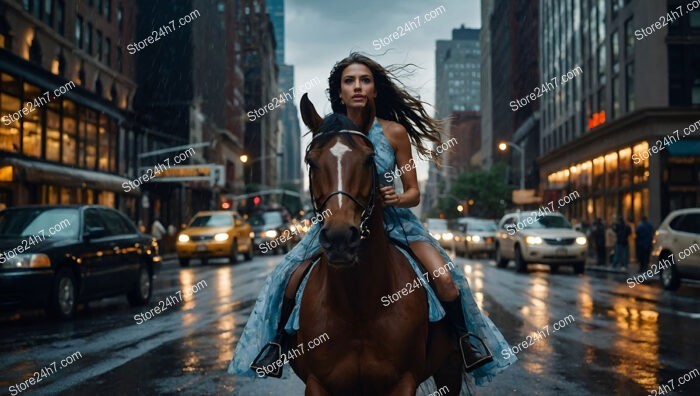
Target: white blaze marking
[(338, 150)]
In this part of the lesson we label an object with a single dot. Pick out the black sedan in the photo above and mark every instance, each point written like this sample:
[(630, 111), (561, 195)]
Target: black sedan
[(57, 256)]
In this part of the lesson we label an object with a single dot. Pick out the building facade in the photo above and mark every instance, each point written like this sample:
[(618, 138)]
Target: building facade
[(602, 131), (66, 90)]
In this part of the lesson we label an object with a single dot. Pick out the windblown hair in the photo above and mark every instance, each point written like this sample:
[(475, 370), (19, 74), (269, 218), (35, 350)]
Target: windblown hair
[(392, 103)]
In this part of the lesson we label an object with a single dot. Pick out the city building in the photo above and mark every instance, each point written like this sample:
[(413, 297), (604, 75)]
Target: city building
[(609, 132), (514, 73), (66, 89), (485, 154), (196, 98), (457, 88), (262, 95)]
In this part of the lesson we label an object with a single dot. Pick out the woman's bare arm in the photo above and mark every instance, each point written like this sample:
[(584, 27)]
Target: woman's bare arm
[(398, 137)]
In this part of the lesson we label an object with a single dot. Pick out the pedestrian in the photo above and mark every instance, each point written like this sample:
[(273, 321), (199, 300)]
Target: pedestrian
[(598, 236), (622, 246), (355, 84), (157, 229), (642, 242), (610, 244)]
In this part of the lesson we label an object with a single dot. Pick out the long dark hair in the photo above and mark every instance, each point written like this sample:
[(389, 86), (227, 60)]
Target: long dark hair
[(392, 102)]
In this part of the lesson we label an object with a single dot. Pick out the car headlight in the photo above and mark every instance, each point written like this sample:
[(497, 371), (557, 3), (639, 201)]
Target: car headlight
[(270, 234), (447, 236), (476, 238), (533, 240), (220, 237), (581, 241), (252, 234), (26, 261), (436, 236), (183, 238)]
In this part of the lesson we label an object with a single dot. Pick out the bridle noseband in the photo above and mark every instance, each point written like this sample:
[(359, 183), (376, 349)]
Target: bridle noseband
[(366, 209)]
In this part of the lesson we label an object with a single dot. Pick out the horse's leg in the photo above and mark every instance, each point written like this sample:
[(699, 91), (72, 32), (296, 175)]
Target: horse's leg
[(449, 378), (432, 260), (314, 388), (405, 387)]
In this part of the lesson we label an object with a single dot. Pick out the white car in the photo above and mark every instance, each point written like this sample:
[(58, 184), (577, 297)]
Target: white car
[(439, 230), (477, 236), (527, 237), (677, 244)]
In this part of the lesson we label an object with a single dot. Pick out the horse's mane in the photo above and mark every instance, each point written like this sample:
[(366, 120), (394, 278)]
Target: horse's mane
[(332, 123)]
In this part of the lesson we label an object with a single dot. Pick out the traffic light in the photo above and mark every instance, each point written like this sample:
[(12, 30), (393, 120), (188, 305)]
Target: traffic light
[(226, 205), (256, 201)]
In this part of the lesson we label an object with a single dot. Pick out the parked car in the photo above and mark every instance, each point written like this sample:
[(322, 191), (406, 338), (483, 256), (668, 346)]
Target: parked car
[(548, 239), (57, 256), (273, 232), (440, 230), (215, 234), (478, 236), (678, 235)]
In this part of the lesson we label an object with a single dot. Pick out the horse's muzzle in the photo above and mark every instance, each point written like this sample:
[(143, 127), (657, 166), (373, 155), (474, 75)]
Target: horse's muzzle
[(340, 244)]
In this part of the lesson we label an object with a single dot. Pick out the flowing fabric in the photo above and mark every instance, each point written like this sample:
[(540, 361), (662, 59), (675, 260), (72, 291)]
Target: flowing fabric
[(400, 224)]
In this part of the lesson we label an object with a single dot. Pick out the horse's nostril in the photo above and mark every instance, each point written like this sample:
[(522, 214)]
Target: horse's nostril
[(354, 237), (323, 239)]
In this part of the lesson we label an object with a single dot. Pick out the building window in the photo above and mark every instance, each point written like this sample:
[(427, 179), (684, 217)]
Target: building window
[(27, 4), (88, 38), (113, 94), (35, 51), (5, 36), (629, 40), (48, 12), (10, 102), (108, 44), (696, 91), (99, 90), (120, 60), (60, 17), (31, 124), (79, 31), (58, 65), (616, 52), (695, 19), (108, 9), (98, 38), (69, 153), (120, 17), (630, 87), (616, 97)]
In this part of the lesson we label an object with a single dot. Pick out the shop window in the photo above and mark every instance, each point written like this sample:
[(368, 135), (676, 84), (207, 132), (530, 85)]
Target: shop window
[(104, 153), (598, 174), (31, 123), (106, 198), (9, 134), (58, 66), (5, 36), (53, 136), (611, 180), (625, 167), (69, 149), (99, 89), (640, 163), (35, 54)]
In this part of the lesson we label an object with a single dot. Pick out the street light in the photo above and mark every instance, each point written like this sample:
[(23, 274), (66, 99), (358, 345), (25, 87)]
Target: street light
[(460, 208), (503, 146), (245, 159)]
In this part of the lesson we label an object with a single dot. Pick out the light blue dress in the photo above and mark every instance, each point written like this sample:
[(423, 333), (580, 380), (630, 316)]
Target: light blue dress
[(400, 224)]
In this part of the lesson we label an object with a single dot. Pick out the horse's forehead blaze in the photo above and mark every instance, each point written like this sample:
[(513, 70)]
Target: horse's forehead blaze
[(338, 150)]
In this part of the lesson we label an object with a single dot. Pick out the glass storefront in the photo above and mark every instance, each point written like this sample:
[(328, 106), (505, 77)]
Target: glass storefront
[(59, 131), (614, 183)]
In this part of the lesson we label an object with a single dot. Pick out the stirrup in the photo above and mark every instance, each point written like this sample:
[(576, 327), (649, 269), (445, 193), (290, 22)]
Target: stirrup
[(474, 357), (268, 356)]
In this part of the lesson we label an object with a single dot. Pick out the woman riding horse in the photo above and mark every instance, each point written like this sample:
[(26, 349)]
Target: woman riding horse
[(401, 121)]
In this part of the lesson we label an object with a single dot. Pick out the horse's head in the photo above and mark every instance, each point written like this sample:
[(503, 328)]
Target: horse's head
[(342, 180)]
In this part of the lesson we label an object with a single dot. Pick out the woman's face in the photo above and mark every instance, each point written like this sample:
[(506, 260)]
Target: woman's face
[(356, 85)]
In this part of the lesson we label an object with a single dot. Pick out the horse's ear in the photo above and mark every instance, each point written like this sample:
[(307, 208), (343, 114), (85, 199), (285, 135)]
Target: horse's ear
[(368, 114), (309, 114)]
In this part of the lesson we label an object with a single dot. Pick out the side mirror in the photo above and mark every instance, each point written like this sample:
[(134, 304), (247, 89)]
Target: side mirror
[(95, 233)]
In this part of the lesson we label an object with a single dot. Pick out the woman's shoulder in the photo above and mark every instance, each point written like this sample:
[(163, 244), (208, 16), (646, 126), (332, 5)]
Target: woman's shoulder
[(394, 132)]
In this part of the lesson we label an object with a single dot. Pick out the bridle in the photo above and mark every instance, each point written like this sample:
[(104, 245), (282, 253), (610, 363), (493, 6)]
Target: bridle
[(366, 209)]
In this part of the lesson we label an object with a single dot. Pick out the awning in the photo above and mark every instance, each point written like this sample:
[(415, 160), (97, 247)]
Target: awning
[(41, 172), (685, 148)]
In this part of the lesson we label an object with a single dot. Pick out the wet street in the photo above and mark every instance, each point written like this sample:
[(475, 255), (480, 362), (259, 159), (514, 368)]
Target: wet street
[(616, 340)]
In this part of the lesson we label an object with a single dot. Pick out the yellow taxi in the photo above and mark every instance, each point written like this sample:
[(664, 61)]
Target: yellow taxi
[(215, 234)]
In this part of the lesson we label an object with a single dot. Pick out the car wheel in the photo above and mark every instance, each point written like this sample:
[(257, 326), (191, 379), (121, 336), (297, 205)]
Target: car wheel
[(500, 261), (63, 295), (520, 264), (579, 267), (670, 278), (233, 257), (249, 254), (184, 262), (553, 268), (141, 292)]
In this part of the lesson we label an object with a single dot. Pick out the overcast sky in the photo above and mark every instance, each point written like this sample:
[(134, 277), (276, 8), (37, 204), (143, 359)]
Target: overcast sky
[(321, 32)]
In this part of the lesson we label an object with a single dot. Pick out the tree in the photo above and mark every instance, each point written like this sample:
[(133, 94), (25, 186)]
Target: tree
[(488, 190)]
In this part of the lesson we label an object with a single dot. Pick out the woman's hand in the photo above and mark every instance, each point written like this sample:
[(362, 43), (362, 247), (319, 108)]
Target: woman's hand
[(389, 196)]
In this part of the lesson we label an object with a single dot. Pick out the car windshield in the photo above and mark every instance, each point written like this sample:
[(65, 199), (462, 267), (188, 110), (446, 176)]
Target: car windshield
[(53, 222), (546, 222), (481, 226), (214, 220), (266, 219)]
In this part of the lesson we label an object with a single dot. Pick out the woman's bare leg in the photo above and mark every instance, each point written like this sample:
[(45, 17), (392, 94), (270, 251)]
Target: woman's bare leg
[(432, 260)]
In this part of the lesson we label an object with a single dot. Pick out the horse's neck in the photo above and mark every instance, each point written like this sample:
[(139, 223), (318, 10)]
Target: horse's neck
[(360, 288)]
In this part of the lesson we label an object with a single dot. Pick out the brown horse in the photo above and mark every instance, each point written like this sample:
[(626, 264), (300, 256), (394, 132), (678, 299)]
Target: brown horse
[(367, 348)]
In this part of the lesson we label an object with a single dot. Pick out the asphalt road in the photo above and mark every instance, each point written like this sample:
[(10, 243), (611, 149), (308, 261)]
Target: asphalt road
[(616, 340)]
